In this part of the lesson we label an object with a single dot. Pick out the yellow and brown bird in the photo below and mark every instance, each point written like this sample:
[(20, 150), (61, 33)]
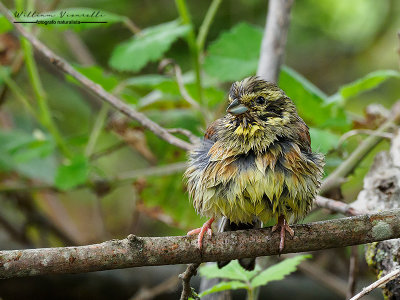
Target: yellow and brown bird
[(255, 164)]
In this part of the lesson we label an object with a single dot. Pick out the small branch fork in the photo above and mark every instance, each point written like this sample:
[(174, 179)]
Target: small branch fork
[(151, 251), (95, 88), (191, 271)]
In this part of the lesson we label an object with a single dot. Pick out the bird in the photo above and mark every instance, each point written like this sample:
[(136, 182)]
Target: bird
[(254, 165)]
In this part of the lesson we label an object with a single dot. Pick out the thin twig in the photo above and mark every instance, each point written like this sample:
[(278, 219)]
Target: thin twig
[(151, 293), (96, 88), (353, 132), (385, 279), (151, 171), (14, 233), (194, 49), (191, 271), (79, 49), (274, 40), (337, 177), (327, 279), (179, 79), (205, 26), (336, 206), (353, 270), (192, 138), (151, 251), (108, 150), (16, 66), (131, 26)]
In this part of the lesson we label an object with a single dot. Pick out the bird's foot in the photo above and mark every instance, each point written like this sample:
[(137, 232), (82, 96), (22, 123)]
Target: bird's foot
[(284, 226), (201, 231)]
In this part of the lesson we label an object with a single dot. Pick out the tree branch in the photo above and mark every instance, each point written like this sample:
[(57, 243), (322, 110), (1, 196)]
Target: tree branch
[(274, 40), (121, 106), (151, 251), (336, 206), (191, 271)]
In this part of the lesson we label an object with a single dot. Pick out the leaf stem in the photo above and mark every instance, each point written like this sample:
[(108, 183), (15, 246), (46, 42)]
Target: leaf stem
[(191, 39), (97, 127), (205, 26), (44, 111), (13, 86), (250, 294)]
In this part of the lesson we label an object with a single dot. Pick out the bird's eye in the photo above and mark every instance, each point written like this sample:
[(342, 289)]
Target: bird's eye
[(260, 100)]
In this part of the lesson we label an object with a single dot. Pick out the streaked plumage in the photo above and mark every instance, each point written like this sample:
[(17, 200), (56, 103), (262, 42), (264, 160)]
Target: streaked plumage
[(256, 162)]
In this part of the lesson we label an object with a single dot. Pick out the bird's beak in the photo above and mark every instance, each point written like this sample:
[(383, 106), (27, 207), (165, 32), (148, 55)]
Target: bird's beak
[(236, 108)]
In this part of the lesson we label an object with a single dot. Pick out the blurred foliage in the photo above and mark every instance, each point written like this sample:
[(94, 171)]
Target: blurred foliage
[(230, 55), (340, 58)]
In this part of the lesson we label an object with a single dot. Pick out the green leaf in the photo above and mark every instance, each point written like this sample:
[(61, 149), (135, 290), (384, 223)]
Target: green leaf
[(368, 82), (73, 173), (98, 75), (309, 100), (60, 19), (323, 140), (5, 25), (312, 104), (223, 286), (278, 271), (234, 55), (150, 45), (148, 81), (231, 271), (27, 154)]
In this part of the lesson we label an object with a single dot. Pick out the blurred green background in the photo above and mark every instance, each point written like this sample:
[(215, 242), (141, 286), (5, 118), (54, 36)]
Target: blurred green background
[(75, 171)]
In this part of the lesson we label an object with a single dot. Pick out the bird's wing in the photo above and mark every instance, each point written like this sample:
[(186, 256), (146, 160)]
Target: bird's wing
[(211, 132), (304, 139)]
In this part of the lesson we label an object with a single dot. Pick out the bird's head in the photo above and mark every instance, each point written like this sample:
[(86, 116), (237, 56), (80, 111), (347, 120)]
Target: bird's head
[(254, 100)]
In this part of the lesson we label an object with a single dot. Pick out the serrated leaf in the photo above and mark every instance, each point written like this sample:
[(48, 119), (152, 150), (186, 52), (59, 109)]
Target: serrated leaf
[(323, 140), (231, 271), (368, 82), (97, 75), (81, 14), (278, 271), (223, 286), (234, 55), (73, 173), (149, 46)]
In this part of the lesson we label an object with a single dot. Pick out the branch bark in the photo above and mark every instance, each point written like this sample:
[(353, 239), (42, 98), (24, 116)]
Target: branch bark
[(274, 40), (151, 251), (97, 89), (336, 206)]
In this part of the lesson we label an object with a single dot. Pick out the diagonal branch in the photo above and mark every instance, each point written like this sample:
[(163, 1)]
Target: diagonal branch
[(151, 251), (338, 177), (336, 206), (121, 106), (382, 281)]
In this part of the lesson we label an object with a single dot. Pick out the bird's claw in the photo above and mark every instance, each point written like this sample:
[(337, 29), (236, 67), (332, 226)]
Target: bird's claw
[(201, 231), (284, 226)]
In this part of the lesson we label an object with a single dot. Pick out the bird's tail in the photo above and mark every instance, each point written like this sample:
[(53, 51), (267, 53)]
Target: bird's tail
[(225, 225)]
